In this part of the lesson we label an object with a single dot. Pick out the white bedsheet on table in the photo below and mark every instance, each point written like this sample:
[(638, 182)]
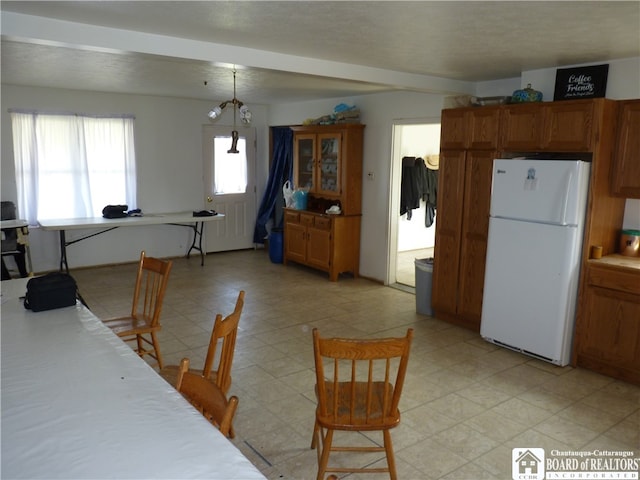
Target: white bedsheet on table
[(78, 403)]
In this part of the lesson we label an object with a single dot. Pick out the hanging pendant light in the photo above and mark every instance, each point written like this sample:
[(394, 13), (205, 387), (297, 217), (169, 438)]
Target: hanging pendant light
[(245, 115)]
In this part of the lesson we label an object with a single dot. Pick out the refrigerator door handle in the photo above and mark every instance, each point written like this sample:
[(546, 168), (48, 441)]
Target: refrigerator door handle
[(565, 203)]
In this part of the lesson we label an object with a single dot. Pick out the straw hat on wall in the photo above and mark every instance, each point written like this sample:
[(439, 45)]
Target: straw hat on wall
[(432, 161)]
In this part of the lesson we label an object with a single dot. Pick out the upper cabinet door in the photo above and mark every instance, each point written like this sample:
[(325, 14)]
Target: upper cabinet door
[(304, 161), (522, 127), (329, 164), (470, 128), (483, 125), (453, 129), (328, 161), (626, 161), (568, 126)]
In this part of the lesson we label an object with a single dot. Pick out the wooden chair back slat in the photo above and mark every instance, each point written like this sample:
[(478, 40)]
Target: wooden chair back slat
[(207, 398), (151, 283), (224, 333)]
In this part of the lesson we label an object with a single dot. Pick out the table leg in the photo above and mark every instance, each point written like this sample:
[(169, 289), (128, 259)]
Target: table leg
[(63, 252), (197, 238), (24, 232)]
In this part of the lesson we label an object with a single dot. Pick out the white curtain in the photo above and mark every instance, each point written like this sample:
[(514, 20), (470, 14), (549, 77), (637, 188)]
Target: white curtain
[(71, 166)]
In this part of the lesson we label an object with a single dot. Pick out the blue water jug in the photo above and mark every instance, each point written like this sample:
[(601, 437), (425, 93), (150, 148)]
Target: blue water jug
[(276, 246), (300, 200)]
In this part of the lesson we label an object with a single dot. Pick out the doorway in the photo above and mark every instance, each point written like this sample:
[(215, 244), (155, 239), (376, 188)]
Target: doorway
[(229, 188), (410, 238)]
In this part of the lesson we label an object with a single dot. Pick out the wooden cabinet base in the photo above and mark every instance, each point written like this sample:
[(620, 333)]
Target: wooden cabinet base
[(469, 323), (607, 337), (330, 243), (606, 368)]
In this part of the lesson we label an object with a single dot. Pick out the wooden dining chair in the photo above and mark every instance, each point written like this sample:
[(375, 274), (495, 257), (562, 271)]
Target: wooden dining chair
[(207, 398), (223, 336), (359, 390), (143, 324)]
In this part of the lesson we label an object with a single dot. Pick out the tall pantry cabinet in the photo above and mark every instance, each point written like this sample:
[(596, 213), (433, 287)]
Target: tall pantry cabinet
[(468, 144)]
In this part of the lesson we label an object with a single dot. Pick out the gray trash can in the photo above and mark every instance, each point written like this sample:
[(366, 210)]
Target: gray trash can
[(424, 280)]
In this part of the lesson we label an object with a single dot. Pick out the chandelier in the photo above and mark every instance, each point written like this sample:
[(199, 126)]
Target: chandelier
[(245, 115)]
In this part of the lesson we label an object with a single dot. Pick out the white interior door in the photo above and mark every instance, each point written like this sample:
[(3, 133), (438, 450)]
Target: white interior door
[(229, 187)]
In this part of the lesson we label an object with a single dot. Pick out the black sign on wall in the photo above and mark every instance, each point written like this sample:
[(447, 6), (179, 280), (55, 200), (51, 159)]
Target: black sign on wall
[(581, 82)]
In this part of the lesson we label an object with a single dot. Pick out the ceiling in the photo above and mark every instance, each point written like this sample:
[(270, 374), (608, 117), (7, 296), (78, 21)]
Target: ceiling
[(287, 51)]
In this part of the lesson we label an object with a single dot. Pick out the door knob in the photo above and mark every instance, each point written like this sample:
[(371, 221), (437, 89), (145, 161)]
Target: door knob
[(209, 199)]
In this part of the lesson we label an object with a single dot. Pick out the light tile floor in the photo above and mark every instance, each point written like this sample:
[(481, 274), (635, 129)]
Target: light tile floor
[(466, 403)]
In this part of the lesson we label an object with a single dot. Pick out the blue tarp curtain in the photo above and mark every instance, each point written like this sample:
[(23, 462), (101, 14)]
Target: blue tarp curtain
[(281, 170)]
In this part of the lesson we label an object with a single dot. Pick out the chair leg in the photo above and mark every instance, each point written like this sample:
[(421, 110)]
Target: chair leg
[(391, 461), (326, 449), (314, 438), (156, 347), (140, 345)]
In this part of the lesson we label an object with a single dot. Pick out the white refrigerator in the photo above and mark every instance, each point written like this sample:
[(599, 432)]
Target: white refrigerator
[(533, 255)]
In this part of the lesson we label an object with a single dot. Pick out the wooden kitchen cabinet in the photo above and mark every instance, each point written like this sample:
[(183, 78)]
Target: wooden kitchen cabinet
[(470, 128), (608, 337), (464, 193), (461, 235), (568, 126), (607, 325), (326, 242), (522, 127), (548, 127), (626, 160), (308, 239), (471, 138)]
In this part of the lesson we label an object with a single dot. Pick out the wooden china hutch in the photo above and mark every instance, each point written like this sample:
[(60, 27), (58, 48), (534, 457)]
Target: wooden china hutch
[(327, 160)]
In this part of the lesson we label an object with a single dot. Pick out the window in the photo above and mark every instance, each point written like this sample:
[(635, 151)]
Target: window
[(71, 166), (230, 169)]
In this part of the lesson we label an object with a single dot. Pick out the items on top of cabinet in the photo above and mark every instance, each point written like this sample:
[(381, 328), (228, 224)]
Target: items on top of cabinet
[(486, 101), (342, 113), (526, 95)]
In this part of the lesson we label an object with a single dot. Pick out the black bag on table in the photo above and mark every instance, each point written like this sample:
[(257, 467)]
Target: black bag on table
[(115, 211), (53, 290)]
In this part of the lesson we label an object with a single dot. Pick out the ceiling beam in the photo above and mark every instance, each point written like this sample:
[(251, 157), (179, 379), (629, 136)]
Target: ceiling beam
[(34, 29)]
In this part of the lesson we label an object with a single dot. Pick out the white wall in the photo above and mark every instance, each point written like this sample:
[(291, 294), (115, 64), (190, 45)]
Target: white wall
[(169, 160)]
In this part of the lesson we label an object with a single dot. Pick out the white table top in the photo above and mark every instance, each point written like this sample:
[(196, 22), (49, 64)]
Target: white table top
[(17, 223), (78, 403), (147, 219)]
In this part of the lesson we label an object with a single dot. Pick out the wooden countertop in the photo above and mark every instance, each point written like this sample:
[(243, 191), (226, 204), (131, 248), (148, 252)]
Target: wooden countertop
[(618, 261)]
